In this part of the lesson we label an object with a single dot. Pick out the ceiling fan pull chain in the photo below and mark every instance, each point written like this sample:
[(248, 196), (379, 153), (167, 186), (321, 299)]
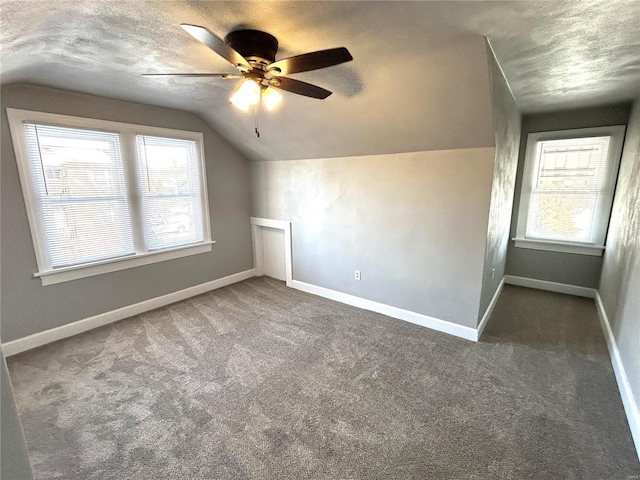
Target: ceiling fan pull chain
[(256, 114)]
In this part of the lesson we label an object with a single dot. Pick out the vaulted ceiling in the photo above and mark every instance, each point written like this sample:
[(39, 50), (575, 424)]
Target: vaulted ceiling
[(418, 81)]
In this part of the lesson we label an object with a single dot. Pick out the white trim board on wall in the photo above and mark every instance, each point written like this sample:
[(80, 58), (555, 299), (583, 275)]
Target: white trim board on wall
[(433, 323), (257, 227), (489, 311), (628, 401), (64, 331), (550, 286)]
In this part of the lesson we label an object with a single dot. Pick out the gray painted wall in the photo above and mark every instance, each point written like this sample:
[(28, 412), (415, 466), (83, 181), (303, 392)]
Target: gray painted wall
[(620, 282), (14, 458), (572, 269), (506, 125), (415, 224), (28, 307)]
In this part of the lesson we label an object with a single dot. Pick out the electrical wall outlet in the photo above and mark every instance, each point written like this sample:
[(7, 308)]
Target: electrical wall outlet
[(357, 275)]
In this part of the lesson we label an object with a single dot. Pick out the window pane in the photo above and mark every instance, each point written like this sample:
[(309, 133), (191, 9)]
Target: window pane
[(85, 231), (80, 188), (559, 217), (570, 165), (568, 189), (171, 192)]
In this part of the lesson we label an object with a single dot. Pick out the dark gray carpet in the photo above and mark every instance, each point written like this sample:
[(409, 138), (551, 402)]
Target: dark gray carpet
[(259, 381)]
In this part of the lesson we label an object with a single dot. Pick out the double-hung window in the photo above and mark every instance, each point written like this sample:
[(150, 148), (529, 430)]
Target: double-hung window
[(567, 189), (103, 196)]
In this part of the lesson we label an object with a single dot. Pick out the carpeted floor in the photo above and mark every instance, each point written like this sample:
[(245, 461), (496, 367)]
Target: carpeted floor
[(258, 381)]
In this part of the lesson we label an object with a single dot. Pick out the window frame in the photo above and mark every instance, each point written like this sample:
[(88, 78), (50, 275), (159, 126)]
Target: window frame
[(616, 134), (127, 133)]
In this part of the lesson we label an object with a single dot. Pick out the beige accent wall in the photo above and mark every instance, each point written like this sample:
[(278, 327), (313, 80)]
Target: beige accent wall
[(414, 224)]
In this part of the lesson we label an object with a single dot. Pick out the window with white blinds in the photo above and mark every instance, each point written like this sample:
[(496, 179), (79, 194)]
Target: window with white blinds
[(171, 193), (80, 193), (567, 190), (103, 196)]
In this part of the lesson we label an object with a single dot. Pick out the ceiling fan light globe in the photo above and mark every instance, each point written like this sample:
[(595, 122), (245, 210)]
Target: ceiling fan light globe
[(271, 98), (248, 94)]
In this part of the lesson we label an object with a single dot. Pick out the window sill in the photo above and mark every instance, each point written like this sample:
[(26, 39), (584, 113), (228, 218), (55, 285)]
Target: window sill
[(563, 247), (66, 274)]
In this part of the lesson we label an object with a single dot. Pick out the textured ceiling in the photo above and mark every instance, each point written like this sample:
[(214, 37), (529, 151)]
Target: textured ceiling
[(418, 81)]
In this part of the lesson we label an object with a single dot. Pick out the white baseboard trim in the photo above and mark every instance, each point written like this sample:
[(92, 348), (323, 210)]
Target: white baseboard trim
[(42, 338), (489, 311), (628, 400), (550, 286), (461, 331)]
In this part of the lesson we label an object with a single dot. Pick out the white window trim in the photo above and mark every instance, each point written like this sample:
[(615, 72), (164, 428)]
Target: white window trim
[(563, 247), (127, 131), (616, 132)]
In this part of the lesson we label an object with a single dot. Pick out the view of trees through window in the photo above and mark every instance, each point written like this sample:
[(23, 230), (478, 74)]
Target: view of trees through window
[(567, 189)]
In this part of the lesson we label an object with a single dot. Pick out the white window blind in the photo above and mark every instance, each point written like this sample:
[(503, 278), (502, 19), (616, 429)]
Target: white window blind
[(80, 189), (568, 189), (170, 177)]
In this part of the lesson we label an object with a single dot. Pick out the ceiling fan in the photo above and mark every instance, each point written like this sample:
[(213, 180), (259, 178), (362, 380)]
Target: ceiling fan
[(253, 53)]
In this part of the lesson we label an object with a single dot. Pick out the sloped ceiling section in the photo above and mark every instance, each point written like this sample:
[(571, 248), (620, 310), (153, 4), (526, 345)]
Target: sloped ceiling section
[(419, 79), (572, 54)]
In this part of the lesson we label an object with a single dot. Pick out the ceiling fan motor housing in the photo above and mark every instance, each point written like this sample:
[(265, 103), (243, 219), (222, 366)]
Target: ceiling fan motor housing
[(256, 46)]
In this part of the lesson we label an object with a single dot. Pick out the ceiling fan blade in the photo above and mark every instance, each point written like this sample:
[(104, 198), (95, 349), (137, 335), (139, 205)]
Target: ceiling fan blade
[(311, 61), (218, 75), (217, 45), (301, 88)]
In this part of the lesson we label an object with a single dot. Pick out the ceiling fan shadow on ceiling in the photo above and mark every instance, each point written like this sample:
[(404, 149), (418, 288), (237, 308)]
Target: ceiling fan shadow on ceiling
[(253, 54)]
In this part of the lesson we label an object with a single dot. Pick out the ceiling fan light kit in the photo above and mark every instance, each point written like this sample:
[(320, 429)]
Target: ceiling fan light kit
[(271, 98), (248, 94), (253, 53), (251, 92)]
